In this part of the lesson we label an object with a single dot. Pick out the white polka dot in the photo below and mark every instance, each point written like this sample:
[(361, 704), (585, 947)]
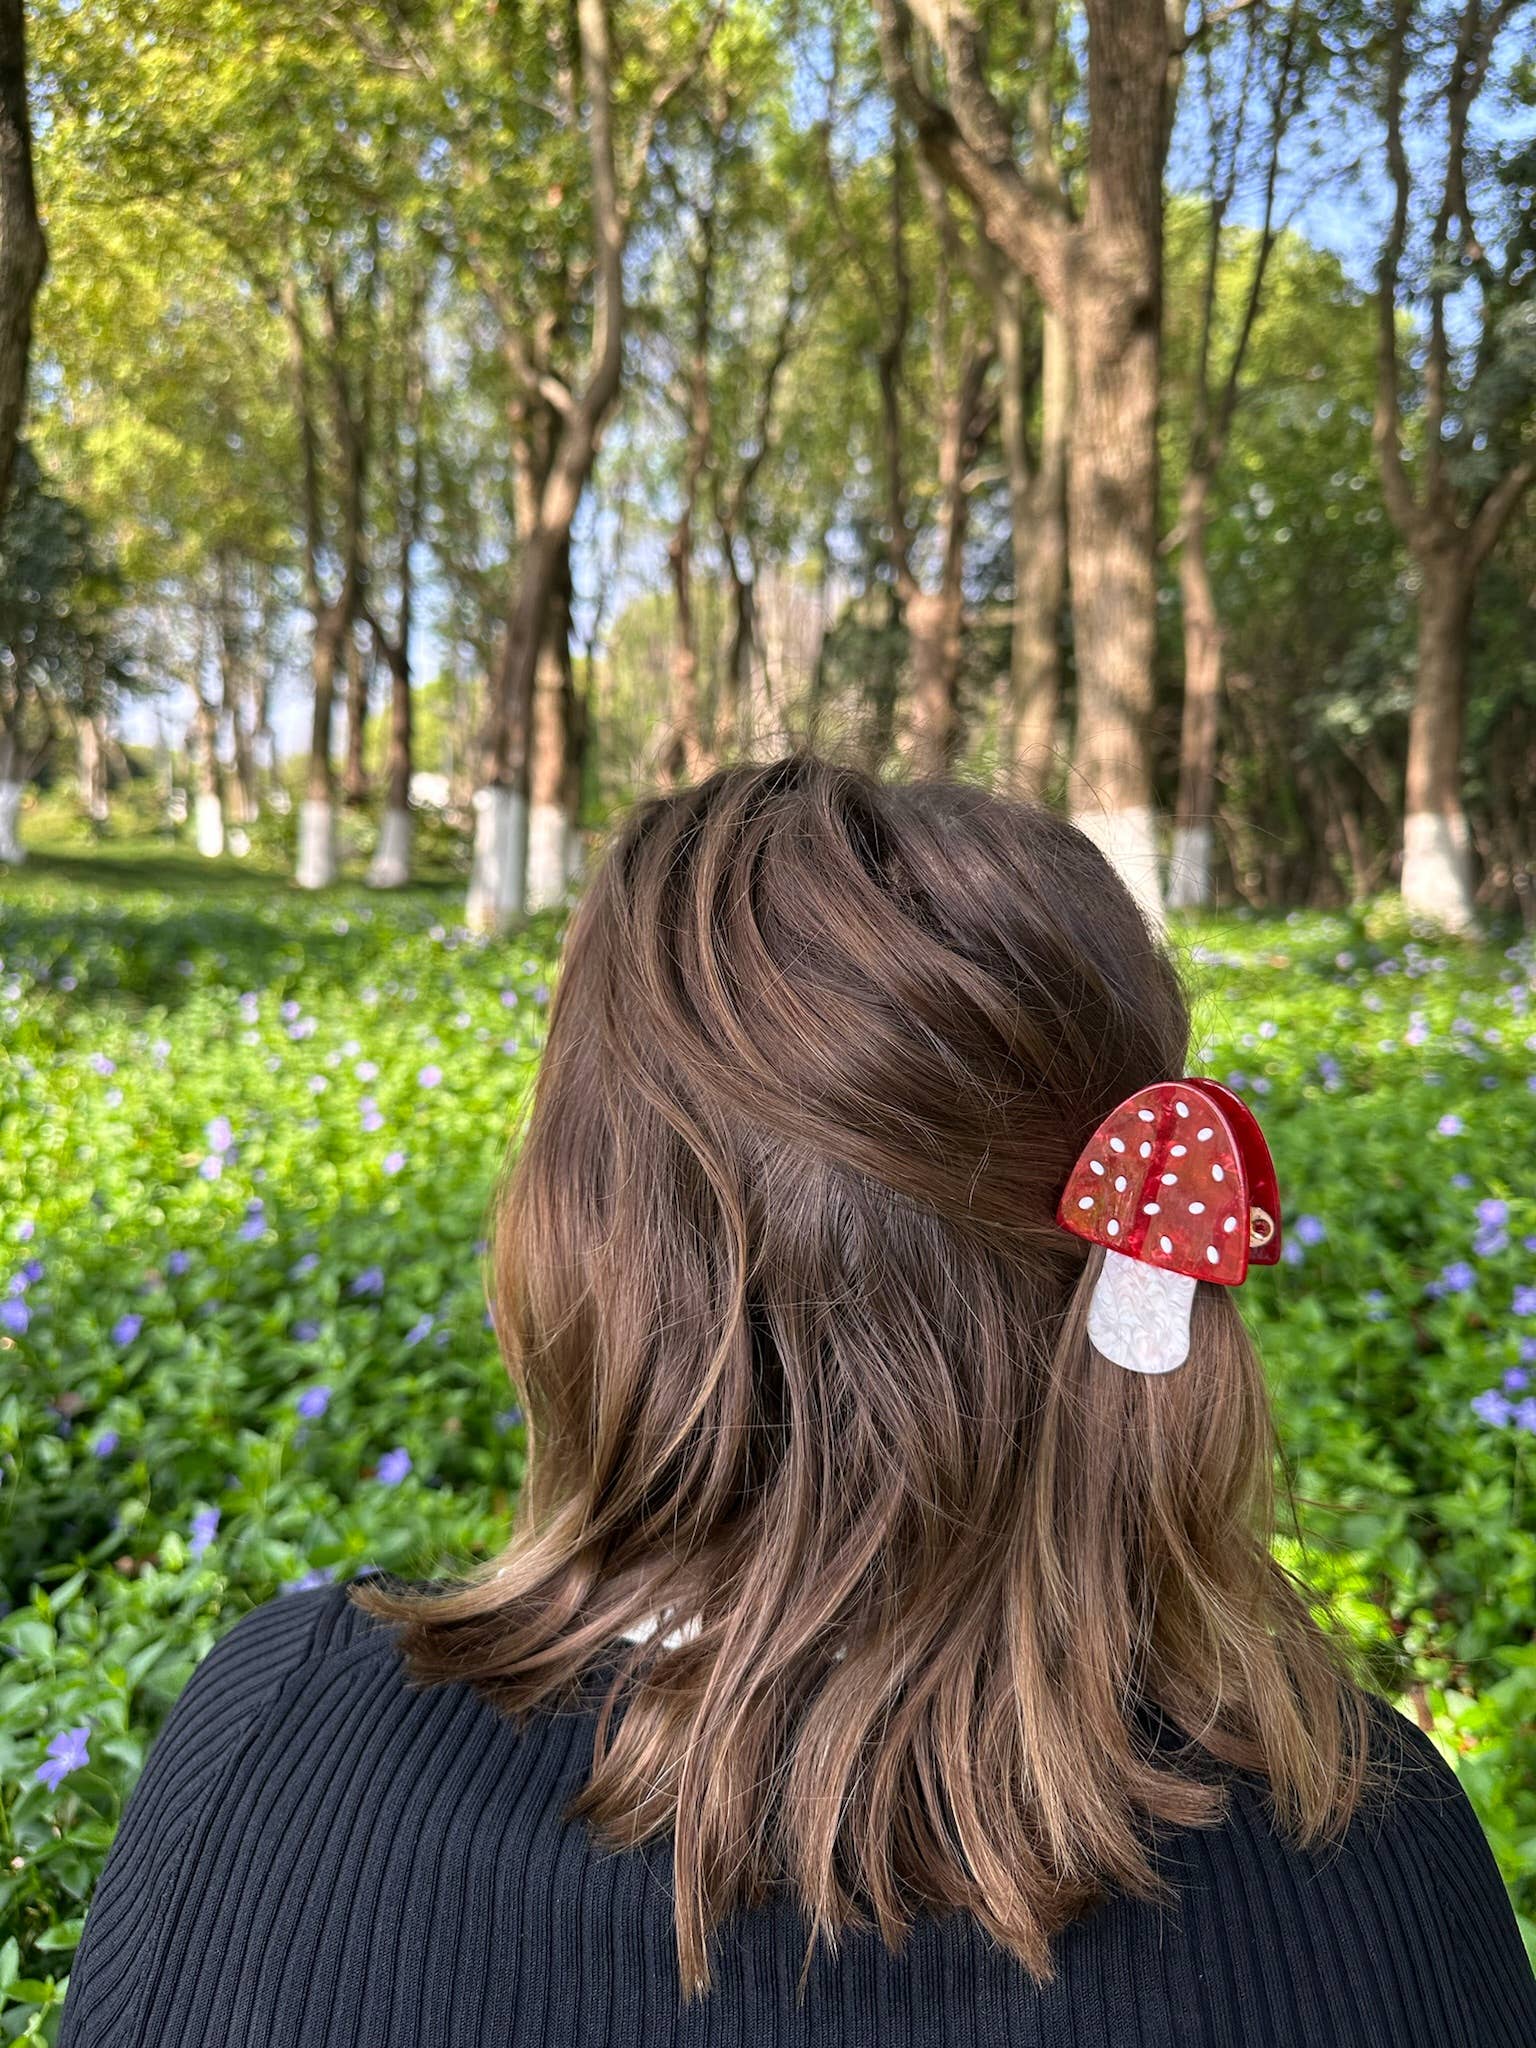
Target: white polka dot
[(1146, 1116), (1218, 1173), (1213, 1255), (1169, 1179), (1117, 1144), (1230, 1225), (1144, 1149), (1114, 1228), (1120, 1182), (1197, 1208), (1166, 1243), (1179, 1151), (1085, 1201), (1205, 1132), (1182, 1108), (1149, 1209), (1094, 1166)]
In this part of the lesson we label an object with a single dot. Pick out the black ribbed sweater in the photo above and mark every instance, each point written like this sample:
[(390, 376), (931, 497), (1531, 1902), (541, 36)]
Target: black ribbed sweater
[(318, 1856)]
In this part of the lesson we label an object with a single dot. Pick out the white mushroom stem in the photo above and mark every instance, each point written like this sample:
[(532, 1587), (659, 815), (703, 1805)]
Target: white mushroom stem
[(1139, 1315)]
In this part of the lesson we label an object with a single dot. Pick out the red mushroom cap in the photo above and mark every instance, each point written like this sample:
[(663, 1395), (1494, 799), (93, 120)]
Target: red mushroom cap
[(1172, 1178)]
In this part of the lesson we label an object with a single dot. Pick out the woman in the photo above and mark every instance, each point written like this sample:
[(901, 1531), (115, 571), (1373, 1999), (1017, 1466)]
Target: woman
[(878, 1660)]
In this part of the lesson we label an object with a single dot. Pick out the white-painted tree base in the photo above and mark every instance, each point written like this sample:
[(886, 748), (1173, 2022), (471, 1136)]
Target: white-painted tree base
[(391, 867), (1437, 869), (1128, 842), (209, 814), (12, 852), (547, 834), (1189, 870), (499, 866), (316, 867)]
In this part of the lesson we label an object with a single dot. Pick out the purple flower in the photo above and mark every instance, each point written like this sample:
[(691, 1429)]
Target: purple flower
[(1492, 1408), (369, 1281), (126, 1328), (32, 1270), (1516, 1380), (302, 1268), (1528, 1350), (393, 1161), (205, 1526), (220, 1133), (1450, 1127), (289, 1011), (1492, 1214), (1310, 1229), (102, 1064), (1488, 1243), (1377, 1306), (509, 1418), (1524, 1303), (417, 1331), (24, 1230), (14, 1316), (1524, 1416), (305, 1332), (255, 1222), (373, 1120), (320, 1575), (366, 1070), (313, 1402), (429, 1077), (212, 1167), (106, 1443), (178, 1262), (67, 1752), (393, 1467), (1456, 1278)]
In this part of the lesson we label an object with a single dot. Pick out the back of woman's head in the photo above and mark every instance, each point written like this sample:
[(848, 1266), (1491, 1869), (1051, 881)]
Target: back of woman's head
[(804, 1357)]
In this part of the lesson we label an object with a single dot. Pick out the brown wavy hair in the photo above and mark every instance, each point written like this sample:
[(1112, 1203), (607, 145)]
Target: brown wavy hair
[(805, 1365)]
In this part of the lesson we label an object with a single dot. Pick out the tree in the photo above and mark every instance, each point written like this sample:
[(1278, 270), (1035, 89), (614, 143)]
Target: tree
[(23, 249), (522, 831), (62, 660), (402, 463), (1101, 274), (1267, 84), (1474, 461)]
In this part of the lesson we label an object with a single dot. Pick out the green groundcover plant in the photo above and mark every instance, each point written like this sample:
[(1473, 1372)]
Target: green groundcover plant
[(247, 1141)]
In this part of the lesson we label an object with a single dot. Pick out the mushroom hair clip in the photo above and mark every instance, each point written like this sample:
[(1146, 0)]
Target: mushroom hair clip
[(1178, 1186)]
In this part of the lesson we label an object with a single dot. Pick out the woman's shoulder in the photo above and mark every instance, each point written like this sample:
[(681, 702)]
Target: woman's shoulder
[(1403, 1916), (299, 1765)]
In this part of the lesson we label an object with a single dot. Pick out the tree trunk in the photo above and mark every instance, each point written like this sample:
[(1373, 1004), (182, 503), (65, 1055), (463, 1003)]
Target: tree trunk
[(23, 250), (1437, 851), (549, 821), (1112, 530), (578, 741), (391, 866), (359, 678), (684, 750), (933, 635), (208, 810), (316, 867), (1189, 873), (496, 887), (1038, 531), (935, 618)]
